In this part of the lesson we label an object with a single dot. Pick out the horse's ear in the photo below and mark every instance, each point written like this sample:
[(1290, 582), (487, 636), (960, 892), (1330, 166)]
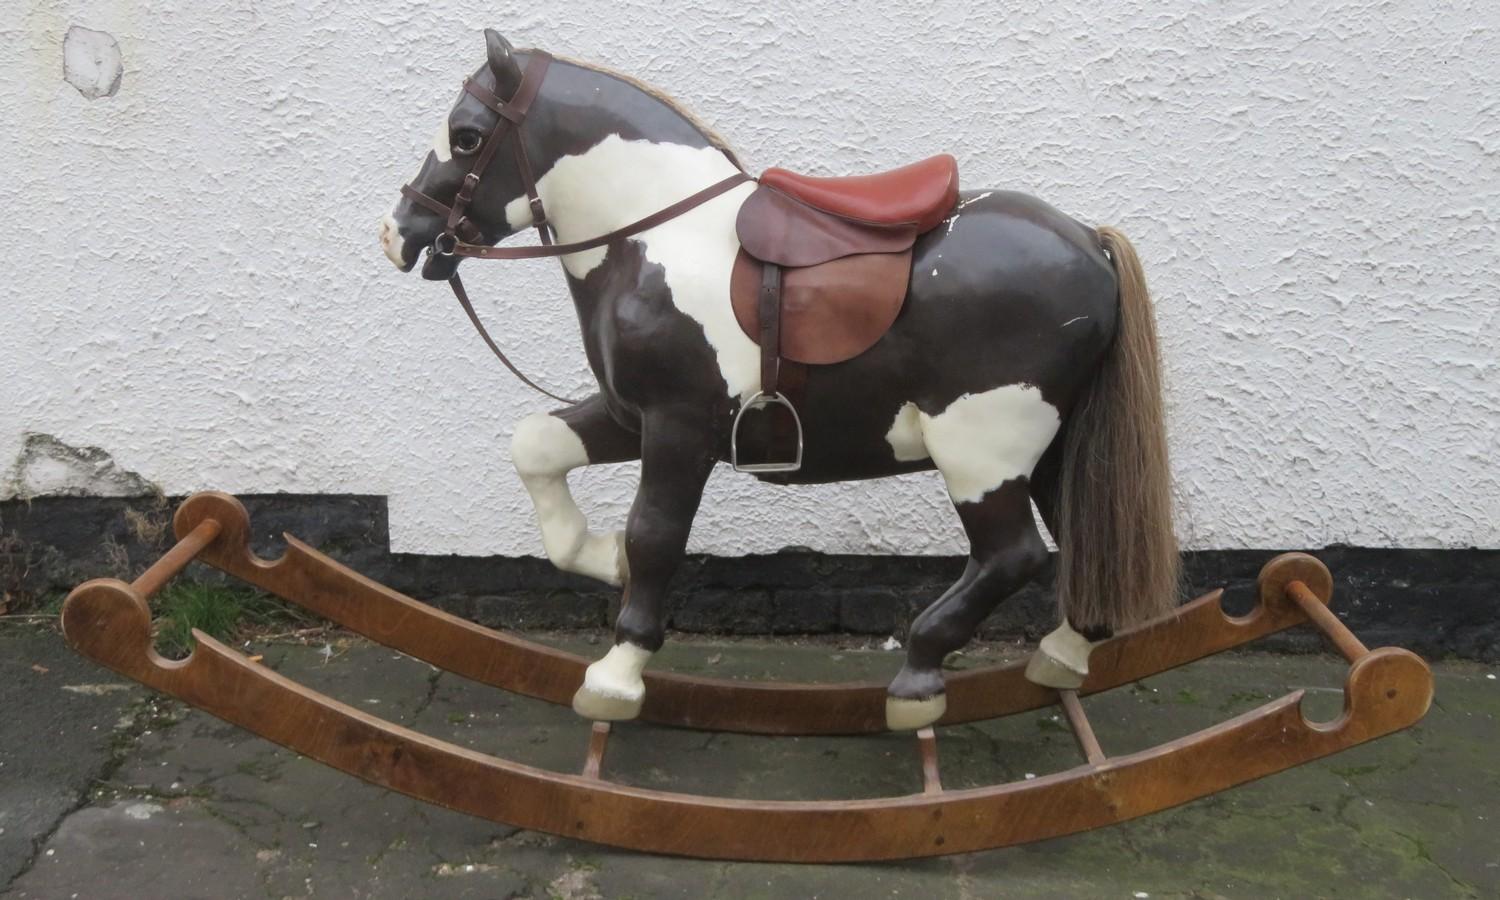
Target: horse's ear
[(502, 60)]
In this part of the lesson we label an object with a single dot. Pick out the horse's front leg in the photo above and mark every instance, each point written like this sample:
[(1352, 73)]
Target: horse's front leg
[(544, 449), (677, 455)]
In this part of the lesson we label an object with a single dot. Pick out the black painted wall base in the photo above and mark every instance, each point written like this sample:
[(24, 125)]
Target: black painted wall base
[(1436, 602)]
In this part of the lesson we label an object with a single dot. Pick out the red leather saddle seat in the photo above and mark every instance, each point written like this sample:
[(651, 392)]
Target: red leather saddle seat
[(921, 194)]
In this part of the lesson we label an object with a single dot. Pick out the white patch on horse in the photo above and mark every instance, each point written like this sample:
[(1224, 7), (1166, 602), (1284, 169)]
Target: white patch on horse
[(442, 142), (1074, 319), (1061, 660), (618, 673), (390, 240), (544, 449), (980, 441), (905, 434), (612, 687), (617, 182)]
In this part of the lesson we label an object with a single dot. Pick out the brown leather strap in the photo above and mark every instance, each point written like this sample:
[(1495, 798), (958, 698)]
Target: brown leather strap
[(657, 218), (770, 328), (464, 238), (777, 375), (463, 300), (465, 230), (645, 224)]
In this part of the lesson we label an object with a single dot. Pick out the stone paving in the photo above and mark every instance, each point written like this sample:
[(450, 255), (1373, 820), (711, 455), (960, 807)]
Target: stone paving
[(108, 791)]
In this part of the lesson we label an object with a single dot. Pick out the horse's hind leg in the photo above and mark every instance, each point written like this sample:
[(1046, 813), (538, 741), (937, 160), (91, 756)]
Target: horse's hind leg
[(1061, 660), (986, 446), (676, 459), (1005, 552), (544, 449)]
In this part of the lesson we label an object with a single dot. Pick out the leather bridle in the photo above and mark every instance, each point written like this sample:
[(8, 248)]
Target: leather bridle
[(462, 238)]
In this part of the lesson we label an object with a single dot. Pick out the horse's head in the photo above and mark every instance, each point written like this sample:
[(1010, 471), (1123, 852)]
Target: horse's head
[(463, 139)]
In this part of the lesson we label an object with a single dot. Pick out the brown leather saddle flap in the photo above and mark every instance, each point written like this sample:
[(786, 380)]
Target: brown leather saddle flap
[(830, 312), (780, 229)]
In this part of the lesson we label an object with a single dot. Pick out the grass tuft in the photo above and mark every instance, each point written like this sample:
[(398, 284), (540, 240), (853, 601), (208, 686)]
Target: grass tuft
[(213, 610), (221, 612)]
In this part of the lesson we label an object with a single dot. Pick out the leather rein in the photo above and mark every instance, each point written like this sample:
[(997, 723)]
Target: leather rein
[(462, 238)]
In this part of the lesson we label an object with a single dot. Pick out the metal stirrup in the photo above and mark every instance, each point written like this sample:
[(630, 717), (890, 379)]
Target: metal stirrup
[(760, 401)]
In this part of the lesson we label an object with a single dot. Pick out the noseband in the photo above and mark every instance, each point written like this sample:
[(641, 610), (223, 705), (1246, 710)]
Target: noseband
[(462, 238)]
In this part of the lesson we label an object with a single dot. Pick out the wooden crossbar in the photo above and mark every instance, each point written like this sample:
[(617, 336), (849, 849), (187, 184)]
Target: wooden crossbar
[(176, 559), (1336, 631), (1083, 732), (598, 739), (932, 783)]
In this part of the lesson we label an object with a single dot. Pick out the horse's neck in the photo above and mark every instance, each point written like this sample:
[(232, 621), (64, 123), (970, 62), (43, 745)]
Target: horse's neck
[(617, 182)]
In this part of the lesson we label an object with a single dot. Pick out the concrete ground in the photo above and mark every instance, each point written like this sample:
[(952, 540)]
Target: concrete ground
[(108, 791)]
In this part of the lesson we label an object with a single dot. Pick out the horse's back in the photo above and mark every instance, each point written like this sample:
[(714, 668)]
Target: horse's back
[(1014, 291), (1006, 291)]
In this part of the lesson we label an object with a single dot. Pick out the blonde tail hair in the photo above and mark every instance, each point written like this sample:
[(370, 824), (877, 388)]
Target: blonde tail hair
[(1119, 563)]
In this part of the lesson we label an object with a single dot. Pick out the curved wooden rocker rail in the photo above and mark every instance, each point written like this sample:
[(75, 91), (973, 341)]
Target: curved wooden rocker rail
[(307, 578), (109, 621)]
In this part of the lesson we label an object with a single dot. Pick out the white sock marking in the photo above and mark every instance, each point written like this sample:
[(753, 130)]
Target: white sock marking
[(1067, 647), (544, 449), (618, 674)]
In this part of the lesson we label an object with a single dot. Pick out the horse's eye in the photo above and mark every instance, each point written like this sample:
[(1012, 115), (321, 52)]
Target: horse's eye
[(467, 141)]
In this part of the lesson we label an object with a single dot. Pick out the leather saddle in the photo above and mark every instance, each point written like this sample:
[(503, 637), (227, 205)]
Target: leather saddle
[(823, 270)]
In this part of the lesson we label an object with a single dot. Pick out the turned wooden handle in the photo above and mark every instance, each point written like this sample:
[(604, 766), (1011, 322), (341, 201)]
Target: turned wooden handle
[(1327, 622), (176, 559)]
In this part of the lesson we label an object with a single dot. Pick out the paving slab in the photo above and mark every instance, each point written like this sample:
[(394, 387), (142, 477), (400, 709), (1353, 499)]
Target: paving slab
[(178, 804), (61, 717)]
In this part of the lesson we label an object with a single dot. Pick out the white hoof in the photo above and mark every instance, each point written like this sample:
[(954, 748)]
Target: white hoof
[(613, 689), (902, 714), (1061, 660)]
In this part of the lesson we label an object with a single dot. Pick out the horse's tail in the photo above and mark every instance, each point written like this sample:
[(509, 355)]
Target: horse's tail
[(1119, 562)]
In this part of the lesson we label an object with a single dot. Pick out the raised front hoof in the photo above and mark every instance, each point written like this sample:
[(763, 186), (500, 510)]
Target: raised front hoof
[(1048, 671), (597, 706), (601, 557), (904, 714)]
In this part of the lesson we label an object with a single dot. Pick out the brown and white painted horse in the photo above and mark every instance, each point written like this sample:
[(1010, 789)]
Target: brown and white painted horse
[(1023, 367)]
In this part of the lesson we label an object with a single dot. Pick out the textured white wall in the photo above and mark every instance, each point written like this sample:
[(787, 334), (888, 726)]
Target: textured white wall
[(194, 284)]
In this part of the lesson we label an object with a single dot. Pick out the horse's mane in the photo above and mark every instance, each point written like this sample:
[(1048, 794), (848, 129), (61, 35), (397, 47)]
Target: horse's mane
[(713, 136)]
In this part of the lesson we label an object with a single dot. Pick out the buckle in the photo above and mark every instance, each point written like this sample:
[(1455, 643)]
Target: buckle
[(466, 190), (760, 401), (538, 213)]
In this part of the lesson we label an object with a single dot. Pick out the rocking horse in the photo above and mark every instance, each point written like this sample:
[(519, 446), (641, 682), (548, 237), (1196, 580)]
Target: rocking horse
[(803, 330)]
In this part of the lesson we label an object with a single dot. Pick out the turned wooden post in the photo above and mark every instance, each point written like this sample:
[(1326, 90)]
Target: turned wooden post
[(176, 559), (1328, 623)]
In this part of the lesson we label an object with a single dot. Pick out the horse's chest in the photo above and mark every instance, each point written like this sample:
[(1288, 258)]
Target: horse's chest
[(662, 317)]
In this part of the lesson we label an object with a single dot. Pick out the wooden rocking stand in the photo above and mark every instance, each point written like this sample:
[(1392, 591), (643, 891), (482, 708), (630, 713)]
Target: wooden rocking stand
[(108, 621)]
